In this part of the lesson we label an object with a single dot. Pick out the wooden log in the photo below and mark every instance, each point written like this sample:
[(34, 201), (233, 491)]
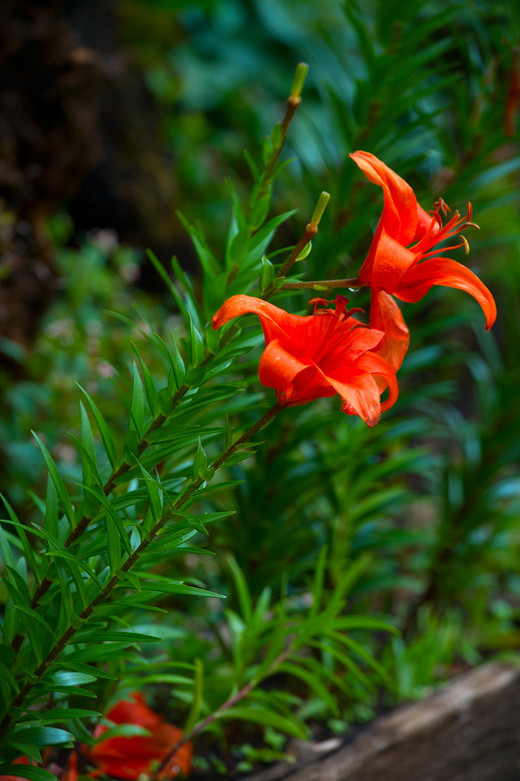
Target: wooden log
[(468, 731)]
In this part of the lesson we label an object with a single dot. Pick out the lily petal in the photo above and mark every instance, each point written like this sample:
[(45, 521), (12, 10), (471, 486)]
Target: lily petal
[(386, 316), (377, 366), (275, 321), (401, 213), (444, 271), (360, 396), (391, 261), (278, 369)]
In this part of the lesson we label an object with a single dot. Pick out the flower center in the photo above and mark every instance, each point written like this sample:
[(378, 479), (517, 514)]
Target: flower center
[(321, 307)]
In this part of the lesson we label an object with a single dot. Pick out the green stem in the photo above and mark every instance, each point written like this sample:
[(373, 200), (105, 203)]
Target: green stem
[(181, 502), (111, 483), (323, 284), (221, 709), (293, 101)]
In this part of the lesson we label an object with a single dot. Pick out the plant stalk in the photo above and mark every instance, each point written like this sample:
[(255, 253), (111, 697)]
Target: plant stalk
[(181, 501)]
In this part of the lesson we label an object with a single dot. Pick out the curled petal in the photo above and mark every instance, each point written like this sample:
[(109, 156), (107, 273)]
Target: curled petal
[(278, 369), (244, 305), (386, 316), (443, 271), (401, 211), (360, 396), (377, 366), (391, 261)]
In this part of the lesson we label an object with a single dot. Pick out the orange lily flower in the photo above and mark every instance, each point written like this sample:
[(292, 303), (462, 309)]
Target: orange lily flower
[(403, 259), (319, 355), (129, 757)]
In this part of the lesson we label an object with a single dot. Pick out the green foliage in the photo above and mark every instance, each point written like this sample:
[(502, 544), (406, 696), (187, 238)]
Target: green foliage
[(335, 567)]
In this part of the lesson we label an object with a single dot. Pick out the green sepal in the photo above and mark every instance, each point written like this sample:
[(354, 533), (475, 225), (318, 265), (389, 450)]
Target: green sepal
[(305, 252), (267, 273), (200, 465)]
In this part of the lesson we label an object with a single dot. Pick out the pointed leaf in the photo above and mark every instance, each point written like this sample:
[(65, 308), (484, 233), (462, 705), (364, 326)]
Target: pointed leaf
[(58, 482), (106, 436)]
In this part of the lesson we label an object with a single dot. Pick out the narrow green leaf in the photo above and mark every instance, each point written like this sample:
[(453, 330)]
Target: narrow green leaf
[(317, 588), (207, 260), (6, 654), (7, 676), (267, 273), (252, 165), (156, 263), (259, 212), (165, 400), (212, 337), (192, 305), (155, 494), (113, 544), (137, 410), (65, 554), (130, 447), (277, 136), (306, 251), (68, 678), (195, 343), (177, 363), (106, 436), (151, 393), (265, 717), (238, 249), (243, 593), (58, 482), (35, 616), (19, 585), (260, 240), (177, 587), (87, 440), (128, 638), (313, 681), (44, 736), (61, 714), (51, 508), (30, 772), (5, 547), (196, 698), (200, 464), (267, 150)]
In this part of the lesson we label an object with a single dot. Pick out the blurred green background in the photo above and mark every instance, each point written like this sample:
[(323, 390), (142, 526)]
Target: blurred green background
[(117, 114)]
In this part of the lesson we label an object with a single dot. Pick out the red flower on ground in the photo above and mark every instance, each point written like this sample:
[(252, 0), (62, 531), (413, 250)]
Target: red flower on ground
[(129, 757), (319, 355), (403, 259)]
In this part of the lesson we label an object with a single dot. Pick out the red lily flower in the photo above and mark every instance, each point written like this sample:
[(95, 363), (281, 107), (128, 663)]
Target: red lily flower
[(129, 757), (319, 355), (403, 259)]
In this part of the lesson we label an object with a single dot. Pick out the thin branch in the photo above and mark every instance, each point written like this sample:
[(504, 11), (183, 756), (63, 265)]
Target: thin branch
[(181, 501), (323, 284), (221, 709)]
